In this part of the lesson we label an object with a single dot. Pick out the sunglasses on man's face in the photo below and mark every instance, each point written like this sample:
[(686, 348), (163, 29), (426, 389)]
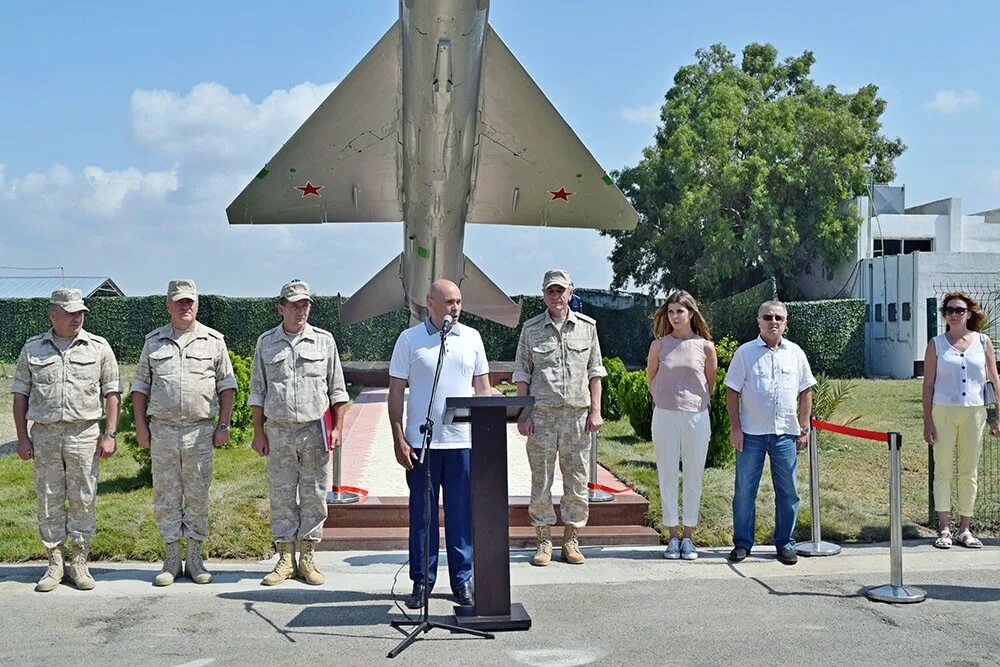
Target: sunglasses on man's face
[(767, 317), (951, 310)]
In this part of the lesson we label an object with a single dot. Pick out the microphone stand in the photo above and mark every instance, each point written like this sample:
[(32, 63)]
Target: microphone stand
[(422, 623)]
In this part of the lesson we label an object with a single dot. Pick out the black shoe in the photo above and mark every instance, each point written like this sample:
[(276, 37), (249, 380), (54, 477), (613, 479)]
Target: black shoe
[(738, 554), (464, 594), (788, 556), (416, 599)]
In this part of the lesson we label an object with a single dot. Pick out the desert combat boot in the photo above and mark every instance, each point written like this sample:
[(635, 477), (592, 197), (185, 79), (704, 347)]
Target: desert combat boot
[(171, 565), (307, 564), (285, 567), (78, 571), (571, 546), (193, 564), (543, 552), (54, 574)]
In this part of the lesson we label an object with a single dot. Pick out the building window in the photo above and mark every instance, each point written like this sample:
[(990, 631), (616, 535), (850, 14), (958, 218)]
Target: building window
[(892, 312), (885, 247), (906, 311), (878, 312)]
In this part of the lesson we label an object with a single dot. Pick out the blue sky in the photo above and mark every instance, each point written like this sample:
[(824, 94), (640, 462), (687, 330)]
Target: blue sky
[(129, 127)]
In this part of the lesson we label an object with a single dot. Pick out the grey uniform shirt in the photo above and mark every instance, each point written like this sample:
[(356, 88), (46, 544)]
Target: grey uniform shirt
[(558, 362), (69, 385), (183, 375), (296, 378)]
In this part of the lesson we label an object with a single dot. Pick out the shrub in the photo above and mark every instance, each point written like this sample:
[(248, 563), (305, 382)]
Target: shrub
[(610, 405), (241, 424), (636, 403), (720, 451)]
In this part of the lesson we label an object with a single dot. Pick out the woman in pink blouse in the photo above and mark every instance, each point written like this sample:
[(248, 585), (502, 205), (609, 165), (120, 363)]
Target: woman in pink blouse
[(680, 370)]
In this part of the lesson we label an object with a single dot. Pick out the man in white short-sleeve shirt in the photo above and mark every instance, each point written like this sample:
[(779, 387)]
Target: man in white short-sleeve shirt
[(769, 400), (464, 372)]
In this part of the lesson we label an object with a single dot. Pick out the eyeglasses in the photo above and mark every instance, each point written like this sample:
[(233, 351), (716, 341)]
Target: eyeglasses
[(768, 317), (949, 310)]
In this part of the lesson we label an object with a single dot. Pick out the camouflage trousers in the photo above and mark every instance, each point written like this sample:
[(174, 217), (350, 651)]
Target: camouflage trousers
[(559, 432), (66, 476), (182, 474), (298, 467)]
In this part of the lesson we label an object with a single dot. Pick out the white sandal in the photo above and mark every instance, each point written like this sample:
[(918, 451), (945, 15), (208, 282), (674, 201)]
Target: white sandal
[(968, 540), (943, 540)]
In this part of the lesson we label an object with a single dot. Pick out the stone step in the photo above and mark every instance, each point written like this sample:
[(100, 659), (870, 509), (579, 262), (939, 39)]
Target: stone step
[(396, 538), (392, 512)]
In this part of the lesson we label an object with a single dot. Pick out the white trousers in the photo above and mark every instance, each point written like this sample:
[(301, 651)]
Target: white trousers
[(676, 436)]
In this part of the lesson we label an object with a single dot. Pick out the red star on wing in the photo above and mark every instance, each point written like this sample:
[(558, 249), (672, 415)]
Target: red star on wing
[(560, 194), (310, 189)]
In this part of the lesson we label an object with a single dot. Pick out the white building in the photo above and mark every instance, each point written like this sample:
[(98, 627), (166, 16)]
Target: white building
[(905, 256)]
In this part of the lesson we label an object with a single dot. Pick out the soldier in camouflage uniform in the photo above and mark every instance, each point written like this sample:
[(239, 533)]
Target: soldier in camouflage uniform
[(66, 380), (296, 377), (559, 363), (183, 382)]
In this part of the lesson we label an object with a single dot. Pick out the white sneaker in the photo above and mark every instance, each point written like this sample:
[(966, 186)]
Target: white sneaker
[(688, 552), (673, 551)]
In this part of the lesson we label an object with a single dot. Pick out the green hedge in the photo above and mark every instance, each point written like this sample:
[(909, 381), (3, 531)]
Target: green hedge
[(831, 332), (125, 321)]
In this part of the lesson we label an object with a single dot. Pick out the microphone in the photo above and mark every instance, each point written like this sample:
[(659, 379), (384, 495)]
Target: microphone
[(447, 324)]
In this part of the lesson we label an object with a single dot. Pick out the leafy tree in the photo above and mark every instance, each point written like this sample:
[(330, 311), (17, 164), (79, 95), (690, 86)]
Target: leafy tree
[(746, 174)]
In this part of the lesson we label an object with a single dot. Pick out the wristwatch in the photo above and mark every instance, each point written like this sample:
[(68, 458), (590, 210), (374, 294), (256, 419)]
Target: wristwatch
[(111, 434), (222, 426), (803, 430)]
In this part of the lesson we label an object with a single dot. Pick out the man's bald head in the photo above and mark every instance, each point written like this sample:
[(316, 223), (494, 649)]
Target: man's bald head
[(442, 286), (443, 298)]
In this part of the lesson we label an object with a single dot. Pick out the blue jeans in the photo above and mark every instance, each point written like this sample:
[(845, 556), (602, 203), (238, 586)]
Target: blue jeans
[(450, 473), (749, 466)]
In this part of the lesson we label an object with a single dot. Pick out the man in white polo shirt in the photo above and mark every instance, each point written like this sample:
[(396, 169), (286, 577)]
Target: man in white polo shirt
[(769, 400), (464, 372)]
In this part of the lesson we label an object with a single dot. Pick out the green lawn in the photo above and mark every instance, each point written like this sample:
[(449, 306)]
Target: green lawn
[(854, 486), (238, 503), (854, 473)]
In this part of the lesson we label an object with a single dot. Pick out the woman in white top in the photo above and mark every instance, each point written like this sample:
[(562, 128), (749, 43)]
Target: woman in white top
[(680, 371), (957, 366)]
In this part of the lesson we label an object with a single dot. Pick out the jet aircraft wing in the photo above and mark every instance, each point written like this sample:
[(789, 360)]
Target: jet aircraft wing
[(342, 164), (530, 167)]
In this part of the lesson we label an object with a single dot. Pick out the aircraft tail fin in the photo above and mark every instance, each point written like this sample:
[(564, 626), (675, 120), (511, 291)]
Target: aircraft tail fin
[(482, 297), (382, 294)]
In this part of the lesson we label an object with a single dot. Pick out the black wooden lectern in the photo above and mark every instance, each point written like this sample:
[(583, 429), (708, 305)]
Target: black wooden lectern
[(492, 609)]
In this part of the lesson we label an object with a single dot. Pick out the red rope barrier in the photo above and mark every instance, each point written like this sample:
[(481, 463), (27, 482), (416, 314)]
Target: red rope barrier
[(847, 430), (594, 486), (350, 489)]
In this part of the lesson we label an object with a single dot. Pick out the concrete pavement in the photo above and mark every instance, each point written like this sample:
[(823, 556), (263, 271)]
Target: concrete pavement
[(624, 606)]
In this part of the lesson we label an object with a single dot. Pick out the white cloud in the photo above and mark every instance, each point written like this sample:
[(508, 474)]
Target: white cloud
[(953, 101), (109, 189), (212, 124), (644, 114), (100, 193)]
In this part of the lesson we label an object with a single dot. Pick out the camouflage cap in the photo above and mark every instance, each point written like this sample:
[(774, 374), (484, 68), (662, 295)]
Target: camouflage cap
[(295, 290), (182, 289), (557, 277), (70, 300)]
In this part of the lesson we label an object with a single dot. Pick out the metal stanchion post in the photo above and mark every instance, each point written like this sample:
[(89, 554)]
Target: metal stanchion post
[(335, 496), (595, 495), (817, 547), (895, 591)]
